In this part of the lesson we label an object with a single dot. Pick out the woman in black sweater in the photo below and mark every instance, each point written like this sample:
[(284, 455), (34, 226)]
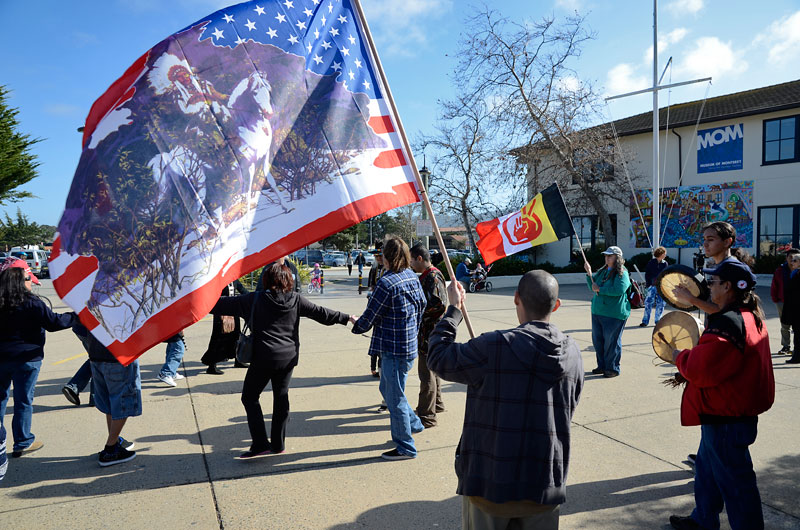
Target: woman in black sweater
[(23, 321), (276, 346)]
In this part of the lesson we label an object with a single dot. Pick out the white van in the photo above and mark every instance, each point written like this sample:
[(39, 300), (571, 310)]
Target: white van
[(36, 259)]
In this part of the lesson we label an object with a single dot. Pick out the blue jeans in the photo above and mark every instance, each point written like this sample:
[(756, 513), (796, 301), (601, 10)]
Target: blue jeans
[(403, 420), (24, 376), (175, 351), (607, 342), (652, 298), (724, 476), (82, 376)]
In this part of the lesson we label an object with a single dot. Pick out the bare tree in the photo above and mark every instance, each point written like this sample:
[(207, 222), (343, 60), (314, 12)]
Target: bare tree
[(546, 114), (472, 177)]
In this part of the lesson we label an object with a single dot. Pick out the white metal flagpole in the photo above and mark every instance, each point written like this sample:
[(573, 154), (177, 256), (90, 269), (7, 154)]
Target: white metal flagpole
[(656, 197), (401, 131)]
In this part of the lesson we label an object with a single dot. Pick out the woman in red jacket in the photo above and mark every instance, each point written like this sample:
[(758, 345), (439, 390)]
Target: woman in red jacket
[(729, 382)]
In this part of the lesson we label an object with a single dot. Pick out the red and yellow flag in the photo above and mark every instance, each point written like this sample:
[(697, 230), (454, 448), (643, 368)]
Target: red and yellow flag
[(543, 220)]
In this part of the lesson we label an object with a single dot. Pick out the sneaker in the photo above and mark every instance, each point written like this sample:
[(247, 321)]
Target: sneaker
[(684, 523), (785, 350), (394, 454), (35, 446), (167, 380), (643, 325), (125, 444), (383, 407), (117, 456), (598, 371), (610, 374), (253, 455), (178, 376), (71, 393)]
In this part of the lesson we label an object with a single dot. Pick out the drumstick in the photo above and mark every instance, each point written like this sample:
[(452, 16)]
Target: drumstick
[(669, 343)]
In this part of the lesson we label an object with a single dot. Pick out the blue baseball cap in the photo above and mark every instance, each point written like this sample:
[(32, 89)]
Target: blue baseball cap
[(736, 272)]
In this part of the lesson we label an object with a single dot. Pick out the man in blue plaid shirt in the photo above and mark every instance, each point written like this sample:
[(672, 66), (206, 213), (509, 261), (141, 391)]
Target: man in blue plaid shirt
[(395, 312)]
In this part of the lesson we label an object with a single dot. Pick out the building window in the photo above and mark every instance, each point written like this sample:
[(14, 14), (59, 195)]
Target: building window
[(587, 227), (780, 140), (595, 166), (777, 229)]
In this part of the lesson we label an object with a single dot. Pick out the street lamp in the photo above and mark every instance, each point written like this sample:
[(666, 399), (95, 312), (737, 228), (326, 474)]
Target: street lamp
[(425, 174)]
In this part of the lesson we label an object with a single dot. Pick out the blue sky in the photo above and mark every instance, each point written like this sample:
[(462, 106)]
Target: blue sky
[(58, 57)]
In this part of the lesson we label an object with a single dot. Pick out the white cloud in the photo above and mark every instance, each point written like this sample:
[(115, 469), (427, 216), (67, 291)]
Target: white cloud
[(673, 37), (684, 7), (82, 39), (62, 109), (623, 78), (783, 39), (402, 27), (569, 5), (711, 57), (569, 83)]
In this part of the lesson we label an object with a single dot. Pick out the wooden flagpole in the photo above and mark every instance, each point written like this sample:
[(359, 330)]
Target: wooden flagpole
[(401, 131)]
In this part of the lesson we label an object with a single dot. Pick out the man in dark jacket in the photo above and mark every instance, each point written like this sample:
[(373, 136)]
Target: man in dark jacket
[(777, 291), (433, 285), (790, 315), (523, 385)]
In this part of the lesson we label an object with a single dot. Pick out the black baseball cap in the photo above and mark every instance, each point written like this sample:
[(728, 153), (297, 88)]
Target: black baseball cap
[(736, 272)]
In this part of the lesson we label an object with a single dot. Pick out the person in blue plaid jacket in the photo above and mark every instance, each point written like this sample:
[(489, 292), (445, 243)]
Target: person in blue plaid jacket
[(394, 313)]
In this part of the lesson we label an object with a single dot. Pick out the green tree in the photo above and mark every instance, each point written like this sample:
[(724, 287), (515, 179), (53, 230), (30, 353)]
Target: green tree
[(22, 232), (340, 241), (17, 164)]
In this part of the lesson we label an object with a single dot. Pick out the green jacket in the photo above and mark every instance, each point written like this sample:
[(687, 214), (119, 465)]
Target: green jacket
[(611, 301)]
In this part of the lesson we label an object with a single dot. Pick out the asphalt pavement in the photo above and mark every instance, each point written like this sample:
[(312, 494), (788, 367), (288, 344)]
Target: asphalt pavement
[(627, 468)]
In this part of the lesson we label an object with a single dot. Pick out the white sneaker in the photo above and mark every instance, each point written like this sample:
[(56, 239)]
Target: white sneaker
[(169, 381), (178, 376)]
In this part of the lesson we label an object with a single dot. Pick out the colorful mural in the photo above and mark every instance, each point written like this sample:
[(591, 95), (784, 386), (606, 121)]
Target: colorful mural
[(684, 211)]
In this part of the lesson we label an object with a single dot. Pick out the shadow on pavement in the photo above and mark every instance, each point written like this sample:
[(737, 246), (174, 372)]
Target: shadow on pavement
[(409, 516)]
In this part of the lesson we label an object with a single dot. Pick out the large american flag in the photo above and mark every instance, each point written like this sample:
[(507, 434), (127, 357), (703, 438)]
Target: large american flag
[(252, 132), (326, 33)]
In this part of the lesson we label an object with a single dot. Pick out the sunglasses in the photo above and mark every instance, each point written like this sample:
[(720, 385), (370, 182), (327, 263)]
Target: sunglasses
[(27, 278)]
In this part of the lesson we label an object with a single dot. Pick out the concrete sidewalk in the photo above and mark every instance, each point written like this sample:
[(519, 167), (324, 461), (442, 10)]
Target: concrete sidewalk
[(627, 466)]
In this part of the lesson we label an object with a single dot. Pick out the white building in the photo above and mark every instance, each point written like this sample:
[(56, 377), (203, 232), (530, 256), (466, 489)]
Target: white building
[(742, 166)]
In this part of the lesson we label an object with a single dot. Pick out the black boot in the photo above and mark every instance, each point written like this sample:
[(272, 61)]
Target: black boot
[(213, 370)]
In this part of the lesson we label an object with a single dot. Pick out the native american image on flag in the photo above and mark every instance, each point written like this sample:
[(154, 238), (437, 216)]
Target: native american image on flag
[(239, 139), (543, 220)]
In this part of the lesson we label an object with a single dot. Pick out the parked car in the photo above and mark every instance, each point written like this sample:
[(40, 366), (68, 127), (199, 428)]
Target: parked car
[(309, 257), (334, 259), (36, 259)]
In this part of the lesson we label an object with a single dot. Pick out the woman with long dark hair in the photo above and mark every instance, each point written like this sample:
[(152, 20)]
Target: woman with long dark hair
[(224, 335), (729, 382), (276, 313), (23, 321), (610, 310)]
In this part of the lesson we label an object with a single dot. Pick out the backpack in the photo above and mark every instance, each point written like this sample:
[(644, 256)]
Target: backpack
[(634, 295)]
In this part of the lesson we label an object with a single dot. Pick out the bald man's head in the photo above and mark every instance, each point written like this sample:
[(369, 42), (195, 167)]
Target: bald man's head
[(538, 294)]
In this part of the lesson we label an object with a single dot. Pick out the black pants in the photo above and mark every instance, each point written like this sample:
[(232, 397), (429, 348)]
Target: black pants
[(258, 375)]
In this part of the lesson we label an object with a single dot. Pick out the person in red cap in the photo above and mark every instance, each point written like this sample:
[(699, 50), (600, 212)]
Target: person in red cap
[(23, 321)]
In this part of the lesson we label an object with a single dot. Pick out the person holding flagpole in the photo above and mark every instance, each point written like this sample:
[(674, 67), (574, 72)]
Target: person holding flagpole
[(610, 310)]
